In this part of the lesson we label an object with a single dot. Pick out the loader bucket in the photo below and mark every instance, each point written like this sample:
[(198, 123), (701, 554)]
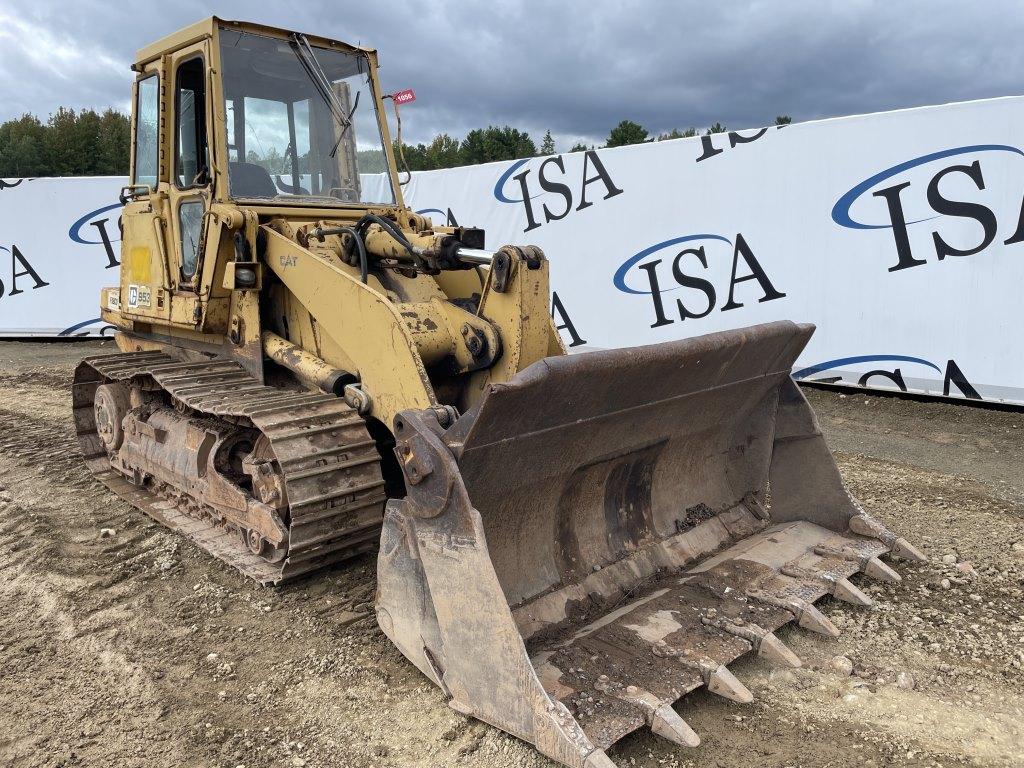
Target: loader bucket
[(607, 531)]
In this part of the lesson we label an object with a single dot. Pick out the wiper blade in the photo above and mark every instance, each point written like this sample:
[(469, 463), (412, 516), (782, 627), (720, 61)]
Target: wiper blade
[(355, 106), (304, 53)]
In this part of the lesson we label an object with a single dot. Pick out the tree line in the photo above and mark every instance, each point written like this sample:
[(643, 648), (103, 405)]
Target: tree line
[(70, 143), (486, 145), (90, 143)]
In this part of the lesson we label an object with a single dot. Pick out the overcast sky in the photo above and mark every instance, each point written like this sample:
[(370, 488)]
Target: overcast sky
[(574, 68)]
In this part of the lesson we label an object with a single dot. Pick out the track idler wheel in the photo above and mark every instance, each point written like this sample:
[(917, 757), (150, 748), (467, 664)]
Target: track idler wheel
[(110, 405), (256, 543), (259, 546)]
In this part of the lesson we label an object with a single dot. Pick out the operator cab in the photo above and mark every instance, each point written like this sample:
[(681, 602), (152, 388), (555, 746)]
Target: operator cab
[(301, 122), (236, 113)]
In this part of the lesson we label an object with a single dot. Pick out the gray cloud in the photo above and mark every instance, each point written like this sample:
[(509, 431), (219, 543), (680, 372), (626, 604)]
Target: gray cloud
[(576, 69)]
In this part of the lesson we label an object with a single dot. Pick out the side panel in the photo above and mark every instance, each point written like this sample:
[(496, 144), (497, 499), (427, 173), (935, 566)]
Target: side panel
[(363, 323), (144, 269)]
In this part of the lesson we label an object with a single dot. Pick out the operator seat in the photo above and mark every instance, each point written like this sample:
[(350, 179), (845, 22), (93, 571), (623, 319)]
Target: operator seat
[(250, 180)]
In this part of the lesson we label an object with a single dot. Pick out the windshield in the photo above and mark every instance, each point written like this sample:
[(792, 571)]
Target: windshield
[(301, 123)]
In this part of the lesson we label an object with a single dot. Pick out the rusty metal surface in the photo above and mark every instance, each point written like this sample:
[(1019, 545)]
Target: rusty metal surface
[(329, 463), (606, 532), (581, 459), (679, 633)]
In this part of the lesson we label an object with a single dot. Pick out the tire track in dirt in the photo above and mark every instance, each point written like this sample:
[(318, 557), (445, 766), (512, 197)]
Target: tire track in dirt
[(67, 618), (44, 440), (232, 674), (60, 581)]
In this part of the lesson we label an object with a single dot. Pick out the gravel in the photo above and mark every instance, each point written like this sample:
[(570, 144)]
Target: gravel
[(142, 651)]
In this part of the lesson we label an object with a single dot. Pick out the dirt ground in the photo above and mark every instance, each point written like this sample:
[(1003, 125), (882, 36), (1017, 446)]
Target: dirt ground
[(133, 648)]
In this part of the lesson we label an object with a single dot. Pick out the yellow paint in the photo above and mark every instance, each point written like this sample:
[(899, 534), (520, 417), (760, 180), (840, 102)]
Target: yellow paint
[(407, 337), (140, 261)]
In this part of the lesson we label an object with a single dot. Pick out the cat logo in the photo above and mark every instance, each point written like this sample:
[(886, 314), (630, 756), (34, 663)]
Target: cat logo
[(139, 296)]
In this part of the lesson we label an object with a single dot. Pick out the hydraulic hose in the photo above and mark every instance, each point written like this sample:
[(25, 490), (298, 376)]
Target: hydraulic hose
[(364, 267), (388, 227)]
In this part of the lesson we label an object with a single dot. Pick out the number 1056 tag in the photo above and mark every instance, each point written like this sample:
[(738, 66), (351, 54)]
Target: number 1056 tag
[(408, 96)]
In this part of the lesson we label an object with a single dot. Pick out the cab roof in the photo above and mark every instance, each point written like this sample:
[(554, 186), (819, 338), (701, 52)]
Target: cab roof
[(207, 27)]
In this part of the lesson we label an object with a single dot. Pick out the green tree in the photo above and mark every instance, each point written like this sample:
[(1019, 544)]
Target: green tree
[(578, 147), (442, 152), (716, 128), (626, 132), (22, 150), (367, 160), (493, 143), (675, 133), (115, 138), (85, 132), (547, 144), (68, 144), (783, 120), (63, 155), (414, 156)]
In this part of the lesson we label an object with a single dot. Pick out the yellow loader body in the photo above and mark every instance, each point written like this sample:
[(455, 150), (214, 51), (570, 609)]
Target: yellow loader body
[(310, 371)]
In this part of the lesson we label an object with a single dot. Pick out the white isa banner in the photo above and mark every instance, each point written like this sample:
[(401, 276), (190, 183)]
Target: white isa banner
[(900, 235), (60, 242)]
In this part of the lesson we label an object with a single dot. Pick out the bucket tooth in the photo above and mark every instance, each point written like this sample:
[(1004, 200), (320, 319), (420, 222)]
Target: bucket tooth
[(842, 553), (767, 644), (839, 586), (816, 621), (848, 592), (661, 717), (876, 569), (724, 683), (865, 525), (598, 759), (667, 723), (773, 649), (903, 548), (806, 615)]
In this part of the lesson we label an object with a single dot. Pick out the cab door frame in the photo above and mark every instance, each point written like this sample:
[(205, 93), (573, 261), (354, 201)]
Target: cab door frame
[(189, 290), (144, 274)]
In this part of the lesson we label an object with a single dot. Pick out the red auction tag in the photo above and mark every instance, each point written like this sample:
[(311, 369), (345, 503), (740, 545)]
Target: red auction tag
[(408, 96)]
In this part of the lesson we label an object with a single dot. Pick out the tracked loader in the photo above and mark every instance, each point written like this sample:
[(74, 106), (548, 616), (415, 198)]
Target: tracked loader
[(309, 370)]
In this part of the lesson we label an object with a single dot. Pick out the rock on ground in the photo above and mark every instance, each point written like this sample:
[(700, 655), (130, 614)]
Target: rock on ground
[(136, 649)]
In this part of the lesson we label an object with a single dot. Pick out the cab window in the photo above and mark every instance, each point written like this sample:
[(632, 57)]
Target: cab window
[(190, 224), (190, 157), (302, 123), (147, 117)]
